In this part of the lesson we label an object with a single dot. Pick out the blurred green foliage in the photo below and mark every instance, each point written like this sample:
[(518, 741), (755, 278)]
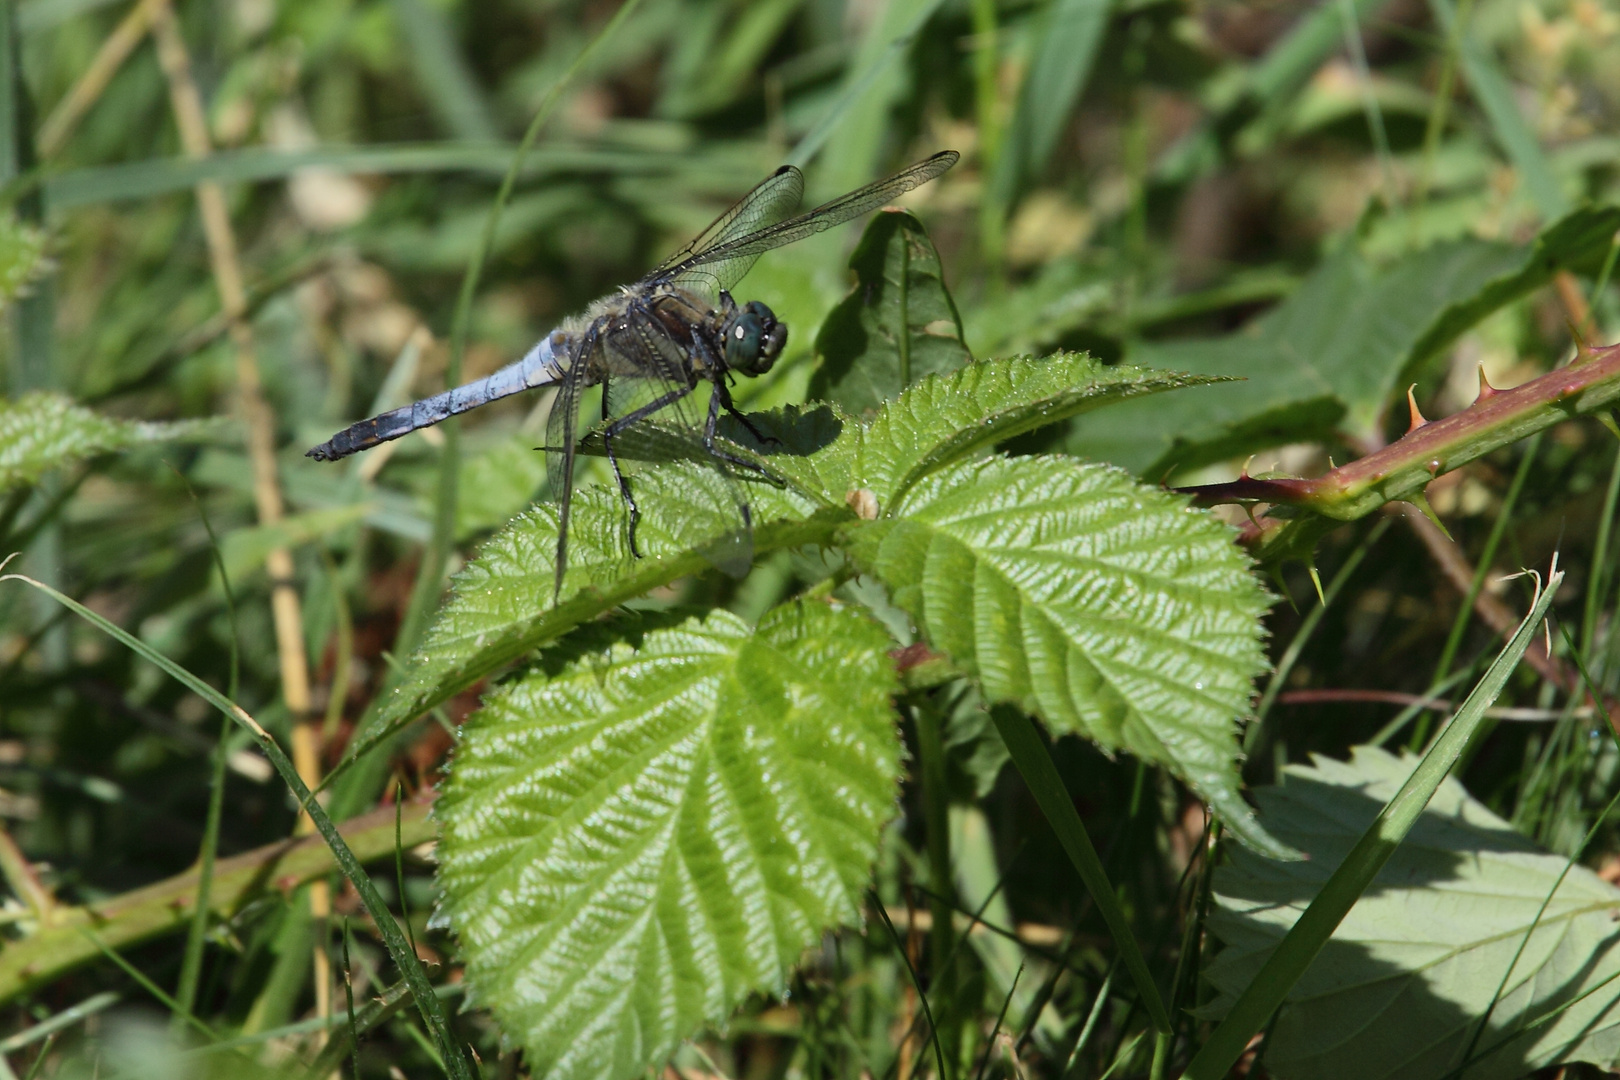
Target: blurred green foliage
[(1182, 183)]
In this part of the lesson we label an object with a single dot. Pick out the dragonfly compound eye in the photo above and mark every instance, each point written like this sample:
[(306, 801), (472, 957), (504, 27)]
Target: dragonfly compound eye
[(754, 339)]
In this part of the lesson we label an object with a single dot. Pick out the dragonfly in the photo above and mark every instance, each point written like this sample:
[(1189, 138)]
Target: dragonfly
[(650, 345)]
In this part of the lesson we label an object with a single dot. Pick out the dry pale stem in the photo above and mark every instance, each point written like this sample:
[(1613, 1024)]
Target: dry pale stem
[(1575, 306), (260, 425), (19, 874), (58, 126)]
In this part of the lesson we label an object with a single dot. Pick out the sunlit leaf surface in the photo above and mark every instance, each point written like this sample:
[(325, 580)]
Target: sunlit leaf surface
[(499, 607), (1107, 608), (638, 836), (947, 417)]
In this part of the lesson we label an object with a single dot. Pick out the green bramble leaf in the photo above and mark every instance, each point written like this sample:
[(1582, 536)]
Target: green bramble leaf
[(1330, 356), (948, 417), (41, 431), (499, 606), (1106, 608), (635, 838)]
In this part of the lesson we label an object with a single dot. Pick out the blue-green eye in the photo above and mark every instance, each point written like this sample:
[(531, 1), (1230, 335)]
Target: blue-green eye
[(742, 341), (754, 339)]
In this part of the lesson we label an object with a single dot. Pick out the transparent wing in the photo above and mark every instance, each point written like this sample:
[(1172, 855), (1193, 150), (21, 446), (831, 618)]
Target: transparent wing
[(721, 259), (649, 417), (562, 440), (715, 519), (772, 199)]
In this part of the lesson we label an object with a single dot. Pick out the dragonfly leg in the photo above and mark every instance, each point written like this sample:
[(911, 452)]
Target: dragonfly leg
[(619, 425), (722, 394), (716, 400), (759, 436)]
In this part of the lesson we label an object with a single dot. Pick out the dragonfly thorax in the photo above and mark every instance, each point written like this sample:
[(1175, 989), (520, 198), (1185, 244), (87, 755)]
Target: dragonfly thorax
[(754, 338)]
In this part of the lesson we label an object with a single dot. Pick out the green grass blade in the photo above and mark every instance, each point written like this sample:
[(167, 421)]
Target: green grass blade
[(1597, 583), (399, 874), (148, 985), (1041, 775), (66, 1018), (1496, 100), (856, 87), (446, 81), (1305, 940), (1307, 628), (430, 578), (937, 834), (1067, 46), (916, 983), (196, 934), (1486, 557), (1293, 60), (348, 1000), (398, 947)]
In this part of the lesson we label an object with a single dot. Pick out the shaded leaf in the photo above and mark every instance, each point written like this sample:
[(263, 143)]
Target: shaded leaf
[(1407, 975), (1107, 608), (897, 325), (1331, 354), (40, 431), (636, 839)]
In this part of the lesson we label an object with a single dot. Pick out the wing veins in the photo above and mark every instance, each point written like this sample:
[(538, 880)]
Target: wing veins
[(823, 217)]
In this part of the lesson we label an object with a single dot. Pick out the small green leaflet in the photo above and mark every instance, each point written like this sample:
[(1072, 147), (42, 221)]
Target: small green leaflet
[(41, 431), (635, 838), (1104, 607), (1399, 988), (22, 257), (896, 326)]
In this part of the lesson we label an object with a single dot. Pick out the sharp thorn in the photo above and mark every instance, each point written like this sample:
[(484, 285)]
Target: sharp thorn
[(1316, 579), (1421, 501), (1583, 348), (1411, 404), (1275, 570), (1486, 390)]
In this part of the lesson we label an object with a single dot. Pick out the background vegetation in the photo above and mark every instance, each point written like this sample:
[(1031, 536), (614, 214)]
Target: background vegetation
[(254, 221)]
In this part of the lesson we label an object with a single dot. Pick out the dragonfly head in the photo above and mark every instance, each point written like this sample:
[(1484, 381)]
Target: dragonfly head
[(754, 339)]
